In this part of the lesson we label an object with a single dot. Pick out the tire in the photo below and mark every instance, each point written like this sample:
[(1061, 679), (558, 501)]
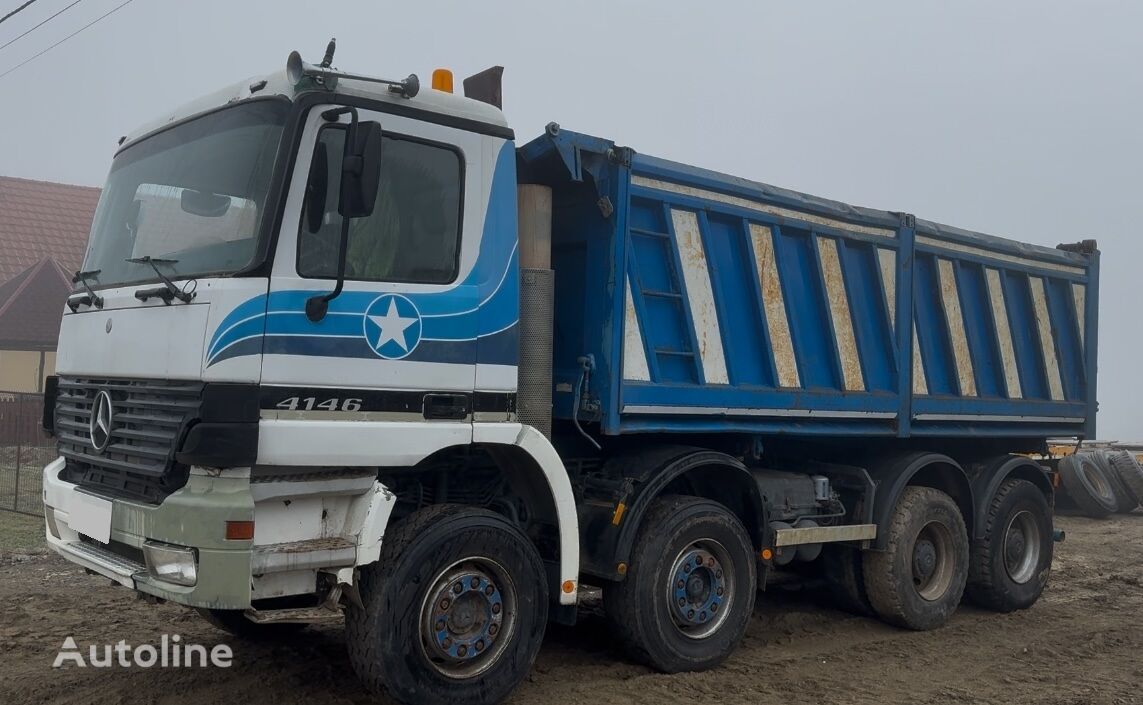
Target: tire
[(842, 568), (1125, 499), (234, 622), (1129, 472), (443, 564), (696, 635), (1010, 565), (1088, 486), (927, 527)]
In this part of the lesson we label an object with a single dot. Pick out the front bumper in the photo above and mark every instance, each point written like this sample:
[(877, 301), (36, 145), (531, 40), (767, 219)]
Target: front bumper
[(194, 516)]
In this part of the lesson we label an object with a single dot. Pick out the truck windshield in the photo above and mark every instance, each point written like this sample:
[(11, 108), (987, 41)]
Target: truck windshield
[(194, 194)]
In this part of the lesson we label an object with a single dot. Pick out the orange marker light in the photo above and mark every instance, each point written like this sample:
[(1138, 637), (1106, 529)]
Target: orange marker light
[(620, 510), (569, 586), (767, 554), (239, 530), (442, 80)]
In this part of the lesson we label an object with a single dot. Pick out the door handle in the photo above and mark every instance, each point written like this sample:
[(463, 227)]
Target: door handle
[(453, 407)]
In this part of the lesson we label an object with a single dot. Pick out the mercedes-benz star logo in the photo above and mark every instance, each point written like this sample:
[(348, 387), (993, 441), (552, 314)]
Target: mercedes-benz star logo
[(392, 326), (101, 417)]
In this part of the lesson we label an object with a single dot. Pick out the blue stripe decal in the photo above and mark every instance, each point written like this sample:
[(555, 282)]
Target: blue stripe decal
[(496, 349), (476, 317)]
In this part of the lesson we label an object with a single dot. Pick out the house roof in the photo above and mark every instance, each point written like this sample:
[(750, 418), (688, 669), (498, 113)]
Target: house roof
[(41, 219), (31, 307)]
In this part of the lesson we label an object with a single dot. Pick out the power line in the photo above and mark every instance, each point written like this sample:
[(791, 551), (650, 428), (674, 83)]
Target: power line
[(41, 24), (18, 9), (37, 55)]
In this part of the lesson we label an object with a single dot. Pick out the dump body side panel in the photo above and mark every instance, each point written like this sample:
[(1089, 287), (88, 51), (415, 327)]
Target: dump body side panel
[(716, 304)]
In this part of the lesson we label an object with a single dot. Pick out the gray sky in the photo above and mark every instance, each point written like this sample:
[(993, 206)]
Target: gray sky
[(1022, 118)]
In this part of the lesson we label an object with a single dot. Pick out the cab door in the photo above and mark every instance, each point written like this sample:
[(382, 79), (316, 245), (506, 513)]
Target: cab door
[(389, 371)]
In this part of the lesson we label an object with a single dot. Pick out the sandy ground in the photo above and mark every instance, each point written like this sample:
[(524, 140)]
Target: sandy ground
[(1082, 643)]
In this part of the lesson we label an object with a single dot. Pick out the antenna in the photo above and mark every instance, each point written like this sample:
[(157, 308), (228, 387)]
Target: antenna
[(327, 61)]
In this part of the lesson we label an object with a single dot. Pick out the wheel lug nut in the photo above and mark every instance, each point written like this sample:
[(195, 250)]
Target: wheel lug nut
[(710, 561), (682, 602), (690, 614), (493, 629), (718, 574), (681, 584), (440, 625), (714, 607), (457, 588), (496, 608), (474, 583), (702, 616), (445, 603), (718, 592), (446, 642), (698, 561), (687, 568), (489, 590), (480, 645), (461, 650)]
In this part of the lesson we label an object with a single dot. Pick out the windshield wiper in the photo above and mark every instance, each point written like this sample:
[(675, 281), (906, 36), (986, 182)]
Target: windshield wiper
[(167, 292), (90, 298)]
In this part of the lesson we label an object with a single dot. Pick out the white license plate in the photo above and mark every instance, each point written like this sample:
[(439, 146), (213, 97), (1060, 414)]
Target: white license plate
[(90, 516)]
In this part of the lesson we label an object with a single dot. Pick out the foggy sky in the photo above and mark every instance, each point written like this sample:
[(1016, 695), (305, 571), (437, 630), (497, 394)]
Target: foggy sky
[(1022, 119)]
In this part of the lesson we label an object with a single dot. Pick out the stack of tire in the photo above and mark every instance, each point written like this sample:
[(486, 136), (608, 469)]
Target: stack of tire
[(1103, 482)]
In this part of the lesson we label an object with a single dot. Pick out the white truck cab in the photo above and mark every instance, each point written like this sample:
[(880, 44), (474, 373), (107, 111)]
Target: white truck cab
[(240, 359)]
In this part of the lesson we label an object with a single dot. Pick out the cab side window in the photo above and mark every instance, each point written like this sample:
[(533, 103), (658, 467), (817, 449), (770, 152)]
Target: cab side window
[(413, 234)]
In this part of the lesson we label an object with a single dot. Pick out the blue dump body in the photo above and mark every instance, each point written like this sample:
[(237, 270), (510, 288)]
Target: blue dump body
[(715, 304)]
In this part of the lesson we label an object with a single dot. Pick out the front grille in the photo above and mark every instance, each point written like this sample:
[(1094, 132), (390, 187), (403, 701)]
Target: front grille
[(149, 420)]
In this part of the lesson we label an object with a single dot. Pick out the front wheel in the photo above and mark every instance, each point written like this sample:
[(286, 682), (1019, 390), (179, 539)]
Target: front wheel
[(918, 580), (454, 610), (689, 592)]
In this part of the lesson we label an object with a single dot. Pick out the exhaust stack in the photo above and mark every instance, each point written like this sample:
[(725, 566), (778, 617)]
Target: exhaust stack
[(537, 299)]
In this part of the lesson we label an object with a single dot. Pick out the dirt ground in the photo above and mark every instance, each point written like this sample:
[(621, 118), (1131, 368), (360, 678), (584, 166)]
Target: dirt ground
[(1082, 643)]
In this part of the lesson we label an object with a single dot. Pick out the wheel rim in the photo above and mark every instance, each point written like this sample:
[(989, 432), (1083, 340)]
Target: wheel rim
[(1022, 547), (701, 590), (933, 561), (468, 617), (1098, 482)]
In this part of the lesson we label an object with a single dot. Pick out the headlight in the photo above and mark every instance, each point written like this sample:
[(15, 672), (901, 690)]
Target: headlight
[(173, 564)]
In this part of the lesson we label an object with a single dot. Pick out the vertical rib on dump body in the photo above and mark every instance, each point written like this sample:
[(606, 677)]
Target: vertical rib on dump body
[(712, 303)]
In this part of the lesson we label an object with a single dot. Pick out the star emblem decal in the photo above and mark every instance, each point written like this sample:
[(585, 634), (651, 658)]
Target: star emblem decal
[(392, 326)]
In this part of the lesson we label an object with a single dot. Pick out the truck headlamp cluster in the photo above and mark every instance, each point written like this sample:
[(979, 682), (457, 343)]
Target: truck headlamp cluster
[(172, 564)]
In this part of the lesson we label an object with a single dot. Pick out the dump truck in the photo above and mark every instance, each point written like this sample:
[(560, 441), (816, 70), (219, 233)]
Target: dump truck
[(342, 350)]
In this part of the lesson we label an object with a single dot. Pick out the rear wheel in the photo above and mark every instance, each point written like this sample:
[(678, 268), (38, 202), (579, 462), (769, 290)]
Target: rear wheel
[(689, 592), (918, 580), (1010, 564), (1088, 486), (454, 610)]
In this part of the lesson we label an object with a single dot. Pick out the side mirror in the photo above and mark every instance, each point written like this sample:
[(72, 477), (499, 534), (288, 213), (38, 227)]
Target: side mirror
[(360, 178), (361, 171)]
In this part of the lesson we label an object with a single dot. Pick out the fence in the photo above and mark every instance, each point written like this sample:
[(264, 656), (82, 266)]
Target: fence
[(24, 451)]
